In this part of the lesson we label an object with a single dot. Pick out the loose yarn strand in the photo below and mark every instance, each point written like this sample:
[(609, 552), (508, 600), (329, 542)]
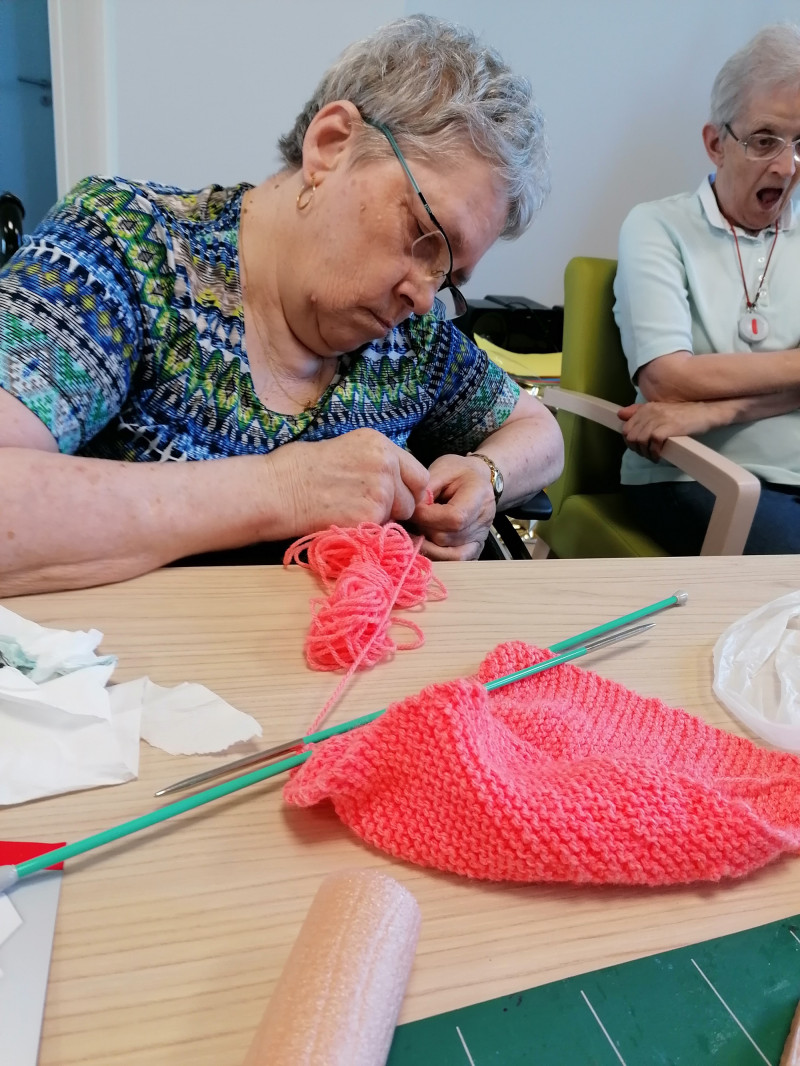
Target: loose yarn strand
[(368, 571)]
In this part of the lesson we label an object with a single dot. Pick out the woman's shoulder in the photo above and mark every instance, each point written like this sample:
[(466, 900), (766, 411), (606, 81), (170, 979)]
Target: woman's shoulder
[(150, 228), (668, 211), (422, 349), (669, 224), (110, 197), (430, 349)]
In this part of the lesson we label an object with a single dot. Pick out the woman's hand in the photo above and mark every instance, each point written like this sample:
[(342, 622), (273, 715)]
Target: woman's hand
[(648, 426), (360, 476), (457, 523)]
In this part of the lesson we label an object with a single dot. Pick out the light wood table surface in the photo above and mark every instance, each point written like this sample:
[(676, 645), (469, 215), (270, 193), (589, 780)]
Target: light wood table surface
[(168, 943)]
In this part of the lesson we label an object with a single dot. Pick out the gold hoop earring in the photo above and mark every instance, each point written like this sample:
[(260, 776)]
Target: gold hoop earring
[(306, 195)]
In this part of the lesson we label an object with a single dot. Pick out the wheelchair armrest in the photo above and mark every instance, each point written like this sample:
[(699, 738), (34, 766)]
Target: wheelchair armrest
[(536, 508)]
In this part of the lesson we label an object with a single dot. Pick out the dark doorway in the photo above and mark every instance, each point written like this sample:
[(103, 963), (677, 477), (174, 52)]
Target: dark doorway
[(27, 140)]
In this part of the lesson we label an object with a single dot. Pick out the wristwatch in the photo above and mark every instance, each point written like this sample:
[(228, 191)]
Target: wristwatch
[(497, 476)]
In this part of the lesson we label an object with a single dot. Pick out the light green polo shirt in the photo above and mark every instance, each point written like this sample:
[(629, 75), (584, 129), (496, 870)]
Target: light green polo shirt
[(679, 287)]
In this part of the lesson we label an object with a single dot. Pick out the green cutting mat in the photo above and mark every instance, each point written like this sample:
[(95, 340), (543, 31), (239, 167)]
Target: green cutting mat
[(728, 1001)]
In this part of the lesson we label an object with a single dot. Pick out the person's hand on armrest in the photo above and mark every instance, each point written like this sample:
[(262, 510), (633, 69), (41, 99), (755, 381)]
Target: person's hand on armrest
[(647, 426)]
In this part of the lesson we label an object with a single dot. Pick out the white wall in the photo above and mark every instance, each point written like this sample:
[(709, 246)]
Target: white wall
[(205, 87), (83, 90), (199, 91), (624, 85)]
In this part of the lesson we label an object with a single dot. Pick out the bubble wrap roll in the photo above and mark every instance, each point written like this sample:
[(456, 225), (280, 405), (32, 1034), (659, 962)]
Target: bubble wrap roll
[(338, 998)]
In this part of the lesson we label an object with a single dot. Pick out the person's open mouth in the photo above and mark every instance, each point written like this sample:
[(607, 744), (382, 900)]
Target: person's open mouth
[(769, 197)]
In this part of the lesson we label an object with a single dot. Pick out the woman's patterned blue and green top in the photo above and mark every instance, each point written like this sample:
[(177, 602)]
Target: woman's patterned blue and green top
[(121, 327)]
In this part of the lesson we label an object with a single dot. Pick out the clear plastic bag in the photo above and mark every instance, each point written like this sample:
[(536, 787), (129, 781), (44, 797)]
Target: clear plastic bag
[(757, 671)]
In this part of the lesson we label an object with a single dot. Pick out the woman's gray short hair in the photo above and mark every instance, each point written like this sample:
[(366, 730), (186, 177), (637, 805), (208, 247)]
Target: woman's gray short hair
[(437, 88), (771, 60)]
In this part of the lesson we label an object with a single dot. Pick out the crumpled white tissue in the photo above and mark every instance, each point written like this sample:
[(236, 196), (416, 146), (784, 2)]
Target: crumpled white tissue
[(45, 653), (62, 727), (188, 719), (757, 671)]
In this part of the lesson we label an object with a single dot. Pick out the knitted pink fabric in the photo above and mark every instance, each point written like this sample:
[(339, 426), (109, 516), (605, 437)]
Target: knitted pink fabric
[(564, 776)]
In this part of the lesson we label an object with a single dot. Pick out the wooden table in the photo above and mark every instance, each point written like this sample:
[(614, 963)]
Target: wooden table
[(168, 943)]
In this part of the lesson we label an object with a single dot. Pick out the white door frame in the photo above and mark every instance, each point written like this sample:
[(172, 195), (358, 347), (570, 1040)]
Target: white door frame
[(83, 89)]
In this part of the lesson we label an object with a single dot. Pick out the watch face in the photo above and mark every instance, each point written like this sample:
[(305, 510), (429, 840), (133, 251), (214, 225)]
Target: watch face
[(497, 483)]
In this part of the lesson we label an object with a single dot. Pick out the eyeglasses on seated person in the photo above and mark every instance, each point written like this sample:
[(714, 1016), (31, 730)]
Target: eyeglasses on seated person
[(431, 251)]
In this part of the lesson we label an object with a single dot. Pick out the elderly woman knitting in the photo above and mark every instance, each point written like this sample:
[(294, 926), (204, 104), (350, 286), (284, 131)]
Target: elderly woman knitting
[(294, 332)]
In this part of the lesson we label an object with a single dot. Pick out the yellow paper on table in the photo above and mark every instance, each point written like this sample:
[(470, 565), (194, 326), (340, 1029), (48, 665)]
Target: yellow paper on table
[(521, 365)]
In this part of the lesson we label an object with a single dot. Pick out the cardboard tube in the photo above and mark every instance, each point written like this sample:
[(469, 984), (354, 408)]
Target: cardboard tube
[(337, 1001), (791, 1049)]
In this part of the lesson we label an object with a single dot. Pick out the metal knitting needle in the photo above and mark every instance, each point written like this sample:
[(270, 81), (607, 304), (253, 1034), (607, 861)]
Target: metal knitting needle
[(567, 656), (344, 727), (678, 599), (264, 756), (9, 875)]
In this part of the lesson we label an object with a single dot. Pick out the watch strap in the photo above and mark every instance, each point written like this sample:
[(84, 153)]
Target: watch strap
[(497, 477)]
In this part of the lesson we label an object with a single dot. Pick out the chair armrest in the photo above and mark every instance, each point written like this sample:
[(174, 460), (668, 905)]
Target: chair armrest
[(736, 489)]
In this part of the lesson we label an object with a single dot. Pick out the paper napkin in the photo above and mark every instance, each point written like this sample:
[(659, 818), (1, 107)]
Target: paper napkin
[(63, 727)]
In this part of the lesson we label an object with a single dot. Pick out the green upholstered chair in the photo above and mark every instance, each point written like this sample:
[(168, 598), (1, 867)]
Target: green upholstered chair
[(591, 517)]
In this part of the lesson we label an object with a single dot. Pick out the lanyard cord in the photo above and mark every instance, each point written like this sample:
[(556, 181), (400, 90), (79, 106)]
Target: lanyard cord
[(752, 306)]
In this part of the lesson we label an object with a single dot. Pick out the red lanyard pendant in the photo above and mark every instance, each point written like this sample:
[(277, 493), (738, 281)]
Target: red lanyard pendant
[(753, 327)]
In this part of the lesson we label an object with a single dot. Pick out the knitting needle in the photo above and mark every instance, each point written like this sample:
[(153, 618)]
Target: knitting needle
[(313, 738), (9, 875), (676, 600)]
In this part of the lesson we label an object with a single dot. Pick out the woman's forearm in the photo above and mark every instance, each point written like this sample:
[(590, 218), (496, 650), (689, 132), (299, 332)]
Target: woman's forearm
[(70, 522), (752, 408), (647, 426), (681, 376), (528, 448)]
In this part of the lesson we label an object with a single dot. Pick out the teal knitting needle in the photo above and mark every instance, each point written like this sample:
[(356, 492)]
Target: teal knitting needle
[(678, 599), (9, 875)]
